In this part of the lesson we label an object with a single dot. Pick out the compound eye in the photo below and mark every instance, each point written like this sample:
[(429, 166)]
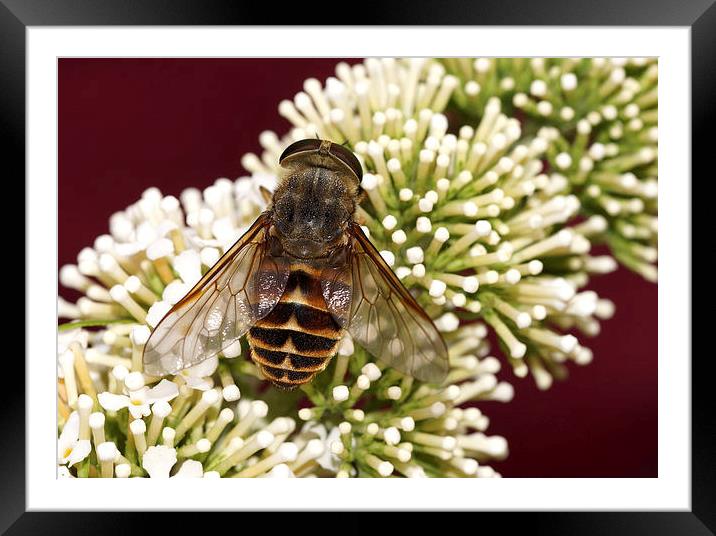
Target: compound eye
[(348, 158), (300, 146), (338, 152)]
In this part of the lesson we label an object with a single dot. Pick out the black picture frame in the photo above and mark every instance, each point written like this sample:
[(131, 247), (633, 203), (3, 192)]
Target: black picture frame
[(699, 15)]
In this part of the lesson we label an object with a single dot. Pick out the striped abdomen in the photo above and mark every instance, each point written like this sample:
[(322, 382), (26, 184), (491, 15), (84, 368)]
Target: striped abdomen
[(299, 337)]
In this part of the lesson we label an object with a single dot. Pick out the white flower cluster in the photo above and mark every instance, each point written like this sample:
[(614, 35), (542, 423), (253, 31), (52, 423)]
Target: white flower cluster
[(470, 218), (118, 421), (113, 425), (385, 423), (603, 112)]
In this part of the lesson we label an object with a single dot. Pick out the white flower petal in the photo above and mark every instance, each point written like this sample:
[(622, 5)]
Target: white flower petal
[(139, 411), (79, 452), (314, 429), (139, 394), (164, 390), (159, 460), (65, 338), (190, 469), (328, 460), (200, 384), (63, 472), (68, 437), (203, 369), (112, 402)]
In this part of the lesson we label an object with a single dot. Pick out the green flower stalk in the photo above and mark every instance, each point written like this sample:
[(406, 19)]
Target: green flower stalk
[(604, 115)]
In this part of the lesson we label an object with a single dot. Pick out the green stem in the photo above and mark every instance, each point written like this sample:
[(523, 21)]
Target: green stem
[(92, 323)]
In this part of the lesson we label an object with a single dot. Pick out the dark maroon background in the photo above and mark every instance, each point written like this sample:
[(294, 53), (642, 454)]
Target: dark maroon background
[(125, 125)]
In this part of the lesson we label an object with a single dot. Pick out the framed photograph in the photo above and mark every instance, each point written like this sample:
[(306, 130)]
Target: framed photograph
[(418, 252)]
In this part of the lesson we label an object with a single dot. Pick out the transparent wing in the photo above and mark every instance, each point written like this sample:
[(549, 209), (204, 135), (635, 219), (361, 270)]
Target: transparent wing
[(242, 287), (366, 297)]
